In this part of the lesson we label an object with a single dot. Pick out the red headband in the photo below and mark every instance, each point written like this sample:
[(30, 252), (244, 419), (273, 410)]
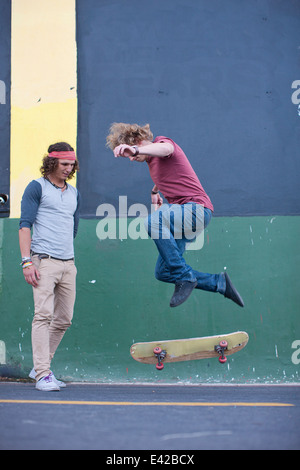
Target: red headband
[(65, 155)]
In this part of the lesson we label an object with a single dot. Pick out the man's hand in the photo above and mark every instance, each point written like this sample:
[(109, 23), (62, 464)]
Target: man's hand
[(156, 200), (31, 275), (124, 150)]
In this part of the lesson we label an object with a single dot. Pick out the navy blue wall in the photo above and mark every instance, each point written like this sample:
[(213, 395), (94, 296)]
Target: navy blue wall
[(215, 76), (5, 34)]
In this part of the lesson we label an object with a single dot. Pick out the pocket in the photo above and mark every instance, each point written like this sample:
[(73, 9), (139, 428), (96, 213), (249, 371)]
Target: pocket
[(73, 268), (36, 261)]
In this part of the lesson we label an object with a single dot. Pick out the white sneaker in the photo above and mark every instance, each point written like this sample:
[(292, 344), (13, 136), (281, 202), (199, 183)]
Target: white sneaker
[(61, 384), (47, 384)]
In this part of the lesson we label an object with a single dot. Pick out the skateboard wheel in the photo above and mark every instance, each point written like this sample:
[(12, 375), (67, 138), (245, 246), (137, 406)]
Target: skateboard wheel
[(223, 344), (157, 350), (159, 366), (222, 359)]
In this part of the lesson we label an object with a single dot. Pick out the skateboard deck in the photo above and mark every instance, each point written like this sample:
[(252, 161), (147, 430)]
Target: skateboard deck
[(189, 349)]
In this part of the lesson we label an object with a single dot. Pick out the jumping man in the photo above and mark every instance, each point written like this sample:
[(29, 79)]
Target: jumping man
[(173, 177)]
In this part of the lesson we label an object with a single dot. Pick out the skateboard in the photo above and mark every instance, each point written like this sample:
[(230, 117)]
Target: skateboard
[(189, 349)]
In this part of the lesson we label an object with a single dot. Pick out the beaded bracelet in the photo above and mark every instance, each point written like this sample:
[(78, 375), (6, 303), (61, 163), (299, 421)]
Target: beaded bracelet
[(26, 264)]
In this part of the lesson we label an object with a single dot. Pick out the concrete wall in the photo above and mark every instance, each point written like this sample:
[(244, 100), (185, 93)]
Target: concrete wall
[(5, 46), (215, 76), (119, 302), (44, 98), (218, 79)]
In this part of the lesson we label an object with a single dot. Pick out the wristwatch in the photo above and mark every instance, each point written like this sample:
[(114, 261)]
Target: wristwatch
[(136, 150)]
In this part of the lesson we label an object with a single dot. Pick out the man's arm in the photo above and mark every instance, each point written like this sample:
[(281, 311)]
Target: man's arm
[(30, 203), (29, 206), (31, 274), (159, 149), (76, 214), (156, 198), (25, 242)]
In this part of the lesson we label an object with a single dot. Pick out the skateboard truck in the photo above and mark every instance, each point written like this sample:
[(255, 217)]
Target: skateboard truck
[(160, 354), (220, 348)]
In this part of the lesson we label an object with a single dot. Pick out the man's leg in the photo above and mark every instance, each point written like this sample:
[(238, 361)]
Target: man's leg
[(209, 282), (194, 219), (205, 281), (65, 293), (43, 296), (165, 228)]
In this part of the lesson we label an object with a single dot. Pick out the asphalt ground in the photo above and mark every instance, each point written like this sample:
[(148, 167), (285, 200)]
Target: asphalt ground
[(160, 418)]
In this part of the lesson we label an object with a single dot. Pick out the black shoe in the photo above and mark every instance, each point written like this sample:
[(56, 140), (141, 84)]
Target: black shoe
[(183, 290), (232, 293)]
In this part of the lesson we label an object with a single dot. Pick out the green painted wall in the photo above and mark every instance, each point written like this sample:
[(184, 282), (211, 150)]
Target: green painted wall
[(120, 302)]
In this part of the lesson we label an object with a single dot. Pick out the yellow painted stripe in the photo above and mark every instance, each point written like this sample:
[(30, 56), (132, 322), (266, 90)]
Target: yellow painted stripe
[(43, 88), (144, 403)]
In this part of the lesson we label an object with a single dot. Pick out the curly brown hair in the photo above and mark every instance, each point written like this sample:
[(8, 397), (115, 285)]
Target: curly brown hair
[(50, 164), (130, 134)]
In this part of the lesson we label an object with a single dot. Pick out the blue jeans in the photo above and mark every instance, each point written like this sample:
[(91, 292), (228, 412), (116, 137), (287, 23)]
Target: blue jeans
[(172, 227)]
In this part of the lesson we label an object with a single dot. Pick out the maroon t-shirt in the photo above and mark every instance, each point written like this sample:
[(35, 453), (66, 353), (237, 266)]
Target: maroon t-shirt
[(175, 177)]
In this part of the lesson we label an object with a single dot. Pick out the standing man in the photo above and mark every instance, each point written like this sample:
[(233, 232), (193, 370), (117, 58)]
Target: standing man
[(173, 225), (50, 206)]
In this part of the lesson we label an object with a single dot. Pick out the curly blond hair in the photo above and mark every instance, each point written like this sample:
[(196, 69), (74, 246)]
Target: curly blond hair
[(130, 134)]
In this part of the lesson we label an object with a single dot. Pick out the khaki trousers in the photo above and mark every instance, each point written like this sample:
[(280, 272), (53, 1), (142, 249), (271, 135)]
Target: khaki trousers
[(54, 300)]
